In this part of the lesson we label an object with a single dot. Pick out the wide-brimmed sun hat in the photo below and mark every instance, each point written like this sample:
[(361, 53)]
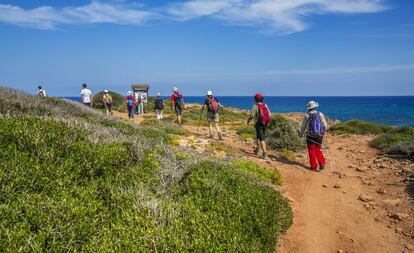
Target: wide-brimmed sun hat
[(209, 93), (106, 91), (312, 105), (175, 89), (158, 94), (258, 95)]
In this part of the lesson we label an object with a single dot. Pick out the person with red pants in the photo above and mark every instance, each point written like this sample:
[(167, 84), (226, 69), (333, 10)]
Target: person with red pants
[(314, 126)]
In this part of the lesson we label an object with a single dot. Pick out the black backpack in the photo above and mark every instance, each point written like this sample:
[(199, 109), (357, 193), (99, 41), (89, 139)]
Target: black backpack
[(159, 104)]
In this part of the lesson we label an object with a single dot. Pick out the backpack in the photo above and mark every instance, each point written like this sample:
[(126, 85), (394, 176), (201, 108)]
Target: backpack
[(264, 114), (139, 99), (213, 105), (159, 104), (130, 102), (315, 126), (41, 93), (107, 99), (179, 101)]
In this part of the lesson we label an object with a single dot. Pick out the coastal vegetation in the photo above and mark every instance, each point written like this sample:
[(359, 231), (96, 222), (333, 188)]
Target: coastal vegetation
[(118, 101), (75, 180), (394, 141), (281, 132), (358, 127)]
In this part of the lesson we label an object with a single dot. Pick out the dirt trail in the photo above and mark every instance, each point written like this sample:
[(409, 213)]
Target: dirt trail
[(361, 206)]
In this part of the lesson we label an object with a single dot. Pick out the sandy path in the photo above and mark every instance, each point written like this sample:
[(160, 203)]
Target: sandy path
[(328, 214)]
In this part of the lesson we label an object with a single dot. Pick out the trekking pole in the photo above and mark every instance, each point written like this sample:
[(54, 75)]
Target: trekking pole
[(326, 147)]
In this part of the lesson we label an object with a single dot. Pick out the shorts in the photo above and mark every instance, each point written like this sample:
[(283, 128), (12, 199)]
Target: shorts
[(260, 131), (108, 107), (213, 117), (178, 111)]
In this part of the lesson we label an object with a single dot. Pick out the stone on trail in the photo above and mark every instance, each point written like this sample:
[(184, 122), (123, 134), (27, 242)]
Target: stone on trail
[(399, 216), (361, 169), (409, 247), (381, 191), (337, 186), (392, 202), (365, 198), (325, 185)]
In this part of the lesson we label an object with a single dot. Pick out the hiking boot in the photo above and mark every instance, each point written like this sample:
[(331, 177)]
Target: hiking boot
[(264, 156), (220, 137), (321, 167), (256, 151)]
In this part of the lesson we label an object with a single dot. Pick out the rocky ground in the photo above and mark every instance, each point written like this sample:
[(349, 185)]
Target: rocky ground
[(363, 202)]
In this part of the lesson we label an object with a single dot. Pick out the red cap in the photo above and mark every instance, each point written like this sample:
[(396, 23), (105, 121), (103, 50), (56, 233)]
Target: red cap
[(259, 95)]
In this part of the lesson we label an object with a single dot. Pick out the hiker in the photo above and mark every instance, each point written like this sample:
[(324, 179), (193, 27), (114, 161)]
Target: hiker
[(213, 110), (261, 115), (159, 106), (107, 101), (178, 101), (130, 102), (41, 92), (140, 104), (86, 97), (314, 127)]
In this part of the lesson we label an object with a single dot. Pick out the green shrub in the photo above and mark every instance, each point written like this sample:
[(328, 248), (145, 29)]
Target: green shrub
[(397, 141), (118, 101), (358, 127), (246, 132), (234, 212), (266, 174), (282, 134)]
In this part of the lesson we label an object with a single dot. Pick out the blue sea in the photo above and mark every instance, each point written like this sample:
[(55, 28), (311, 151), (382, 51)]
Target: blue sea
[(396, 111)]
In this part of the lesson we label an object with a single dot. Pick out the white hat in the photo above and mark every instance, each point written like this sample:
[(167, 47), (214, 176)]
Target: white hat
[(158, 94), (175, 89), (106, 91), (312, 105), (209, 93), (129, 92)]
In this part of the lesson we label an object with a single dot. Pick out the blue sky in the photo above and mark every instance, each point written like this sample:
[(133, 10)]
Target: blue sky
[(233, 47)]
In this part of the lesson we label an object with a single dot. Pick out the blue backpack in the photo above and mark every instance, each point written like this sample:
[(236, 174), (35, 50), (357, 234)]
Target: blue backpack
[(130, 102), (315, 128)]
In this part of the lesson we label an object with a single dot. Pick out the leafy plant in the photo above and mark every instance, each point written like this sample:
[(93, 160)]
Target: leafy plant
[(358, 127)]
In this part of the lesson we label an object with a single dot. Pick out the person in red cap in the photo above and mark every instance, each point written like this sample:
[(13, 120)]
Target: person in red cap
[(261, 115)]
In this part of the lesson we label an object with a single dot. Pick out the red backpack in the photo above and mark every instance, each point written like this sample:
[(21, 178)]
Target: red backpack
[(264, 114), (214, 106)]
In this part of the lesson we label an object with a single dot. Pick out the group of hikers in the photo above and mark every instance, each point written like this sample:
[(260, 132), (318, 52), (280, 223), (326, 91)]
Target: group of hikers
[(313, 127)]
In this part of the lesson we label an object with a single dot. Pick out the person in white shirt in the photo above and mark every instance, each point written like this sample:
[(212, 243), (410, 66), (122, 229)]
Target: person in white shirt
[(41, 92), (86, 97)]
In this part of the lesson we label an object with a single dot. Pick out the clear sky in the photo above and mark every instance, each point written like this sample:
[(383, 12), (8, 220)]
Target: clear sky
[(233, 47)]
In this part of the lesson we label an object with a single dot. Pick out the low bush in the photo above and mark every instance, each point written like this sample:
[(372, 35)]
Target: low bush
[(282, 134), (266, 174), (246, 132), (398, 141), (358, 127), (118, 101)]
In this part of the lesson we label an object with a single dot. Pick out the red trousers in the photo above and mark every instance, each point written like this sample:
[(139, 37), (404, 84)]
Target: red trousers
[(315, 156)]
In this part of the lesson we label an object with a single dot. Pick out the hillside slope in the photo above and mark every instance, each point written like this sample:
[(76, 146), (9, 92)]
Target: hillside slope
[(73, 179)]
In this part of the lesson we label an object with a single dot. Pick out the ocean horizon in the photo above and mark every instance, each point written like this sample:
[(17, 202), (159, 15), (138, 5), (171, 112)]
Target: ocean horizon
[(388, 110)]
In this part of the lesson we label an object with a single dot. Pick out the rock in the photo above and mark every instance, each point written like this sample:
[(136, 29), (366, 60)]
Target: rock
[(409, 247), (392, 202), (367, 205), (336, 186), (361, 169), (381, 191), (399, 216), (325, 185), (365, 198), (339, 251)]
